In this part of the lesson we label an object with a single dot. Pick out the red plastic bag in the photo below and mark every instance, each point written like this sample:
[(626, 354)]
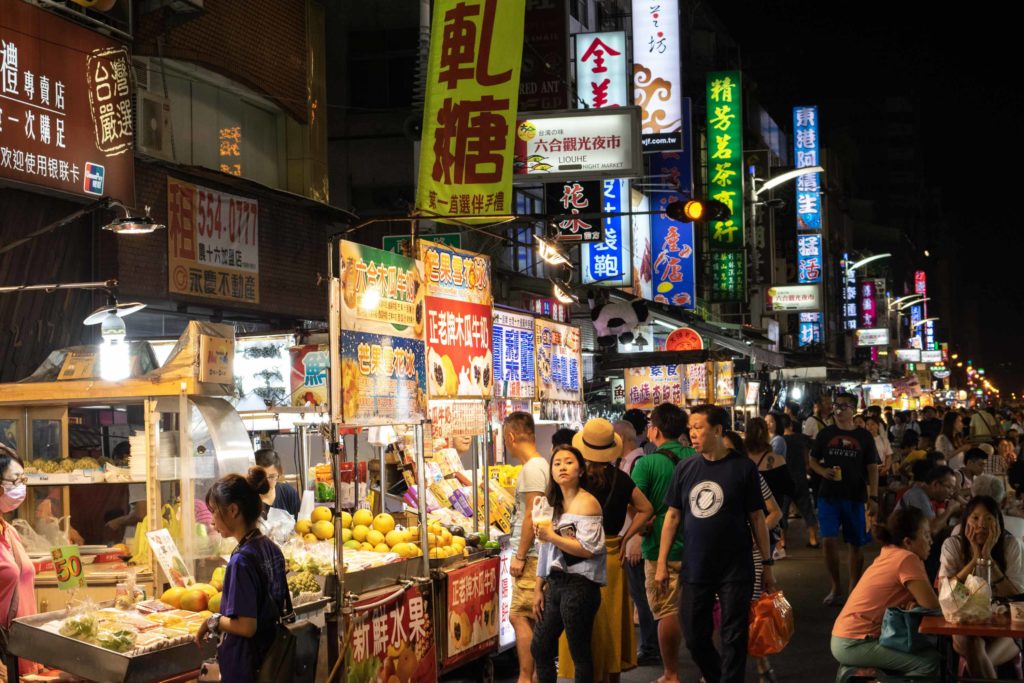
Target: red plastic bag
[(771, 625)]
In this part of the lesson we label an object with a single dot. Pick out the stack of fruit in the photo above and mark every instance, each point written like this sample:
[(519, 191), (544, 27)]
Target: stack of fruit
[(198, 597), (318, 527), (363, 531)]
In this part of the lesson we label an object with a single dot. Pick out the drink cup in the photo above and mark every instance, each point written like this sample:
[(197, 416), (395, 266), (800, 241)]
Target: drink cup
[(838, 472)]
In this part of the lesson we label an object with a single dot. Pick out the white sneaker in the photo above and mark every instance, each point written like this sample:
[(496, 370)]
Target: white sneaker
[(779, 554)]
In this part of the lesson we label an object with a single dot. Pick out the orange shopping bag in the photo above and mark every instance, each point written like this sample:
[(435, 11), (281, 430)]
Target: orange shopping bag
[(771, 625)]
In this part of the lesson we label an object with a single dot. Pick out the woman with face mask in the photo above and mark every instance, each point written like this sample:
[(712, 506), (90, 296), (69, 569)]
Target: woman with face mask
[(17, 575)]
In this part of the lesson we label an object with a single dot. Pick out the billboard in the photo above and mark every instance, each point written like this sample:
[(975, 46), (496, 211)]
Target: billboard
[(805, 153), (588, 144), (794, 298), (476, 50), (559, 361), (213, 244), (608, 262), (908, 355), (66, 119), (848, 295), (512, 343), (657, 79), (876, 336), (601, 78), (565, 201), (724, 175)]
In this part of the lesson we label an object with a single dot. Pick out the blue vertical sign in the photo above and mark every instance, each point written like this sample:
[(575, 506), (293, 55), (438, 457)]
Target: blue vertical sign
[(916, 333), (809, 258), (673, 250), (805, 153), (608, 262), (810, 329)]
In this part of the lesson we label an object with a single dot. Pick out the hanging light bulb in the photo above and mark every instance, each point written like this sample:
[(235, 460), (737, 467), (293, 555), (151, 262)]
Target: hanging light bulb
[(550, 253), (114, 352)]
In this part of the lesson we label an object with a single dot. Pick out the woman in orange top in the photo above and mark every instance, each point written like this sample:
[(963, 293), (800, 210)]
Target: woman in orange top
[(896, 577)]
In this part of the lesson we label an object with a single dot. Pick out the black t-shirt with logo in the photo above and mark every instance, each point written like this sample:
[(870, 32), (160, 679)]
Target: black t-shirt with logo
[(852, 450), (716, 499)]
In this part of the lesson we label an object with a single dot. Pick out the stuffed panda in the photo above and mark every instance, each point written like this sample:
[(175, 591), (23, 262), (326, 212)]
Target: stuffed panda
[(615, 321)]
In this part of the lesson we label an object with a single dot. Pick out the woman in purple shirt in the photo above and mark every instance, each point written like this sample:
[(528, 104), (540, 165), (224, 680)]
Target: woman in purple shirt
[(255, 589)]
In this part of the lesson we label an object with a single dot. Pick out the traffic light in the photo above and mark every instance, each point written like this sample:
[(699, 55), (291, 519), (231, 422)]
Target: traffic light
[(698, 211)]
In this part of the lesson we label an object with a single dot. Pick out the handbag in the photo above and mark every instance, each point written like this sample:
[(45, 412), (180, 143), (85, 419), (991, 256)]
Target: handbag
[(771, 625), (293, 653), (901, 630)]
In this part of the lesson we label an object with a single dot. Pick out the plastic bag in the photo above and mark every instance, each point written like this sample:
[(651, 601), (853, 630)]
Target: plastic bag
[(32, 541), (771, 625), (278, 525), (965, 602)]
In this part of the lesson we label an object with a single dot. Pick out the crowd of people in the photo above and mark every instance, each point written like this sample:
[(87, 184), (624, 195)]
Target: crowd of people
[(676, 515)]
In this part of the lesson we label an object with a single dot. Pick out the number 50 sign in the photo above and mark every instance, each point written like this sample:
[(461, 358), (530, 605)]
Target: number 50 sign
[(67, 563)]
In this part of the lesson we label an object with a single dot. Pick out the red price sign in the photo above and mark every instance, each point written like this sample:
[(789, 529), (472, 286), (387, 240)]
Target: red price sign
[(67, 563)]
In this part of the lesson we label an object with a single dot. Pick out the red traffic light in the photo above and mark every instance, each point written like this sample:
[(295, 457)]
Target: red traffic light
[(698, 210)]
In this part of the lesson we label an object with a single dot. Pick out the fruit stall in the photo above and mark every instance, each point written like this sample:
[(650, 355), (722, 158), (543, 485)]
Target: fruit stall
[(104, 455)]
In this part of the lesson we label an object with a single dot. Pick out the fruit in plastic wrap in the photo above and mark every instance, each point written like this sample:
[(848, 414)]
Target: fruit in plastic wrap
[(87, 464), (80, 626), (303, 582), (49, 467), (120, 640), (66, 465)]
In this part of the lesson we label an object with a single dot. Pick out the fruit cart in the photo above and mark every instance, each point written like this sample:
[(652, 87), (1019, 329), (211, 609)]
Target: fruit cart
[(158, 437)]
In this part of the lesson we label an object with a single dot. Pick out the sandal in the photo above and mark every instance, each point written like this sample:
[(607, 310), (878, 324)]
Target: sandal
[(767, 676)]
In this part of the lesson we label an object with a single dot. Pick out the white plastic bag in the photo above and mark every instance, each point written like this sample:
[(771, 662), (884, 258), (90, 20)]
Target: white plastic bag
[(33, 542), (965, 602), (278, 525)]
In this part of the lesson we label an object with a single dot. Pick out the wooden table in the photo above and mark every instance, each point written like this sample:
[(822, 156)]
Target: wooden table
[(998, 626)]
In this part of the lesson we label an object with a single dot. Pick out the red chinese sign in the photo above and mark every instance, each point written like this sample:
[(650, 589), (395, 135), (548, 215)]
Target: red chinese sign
[(66, 120), (459, 361), (472, 610), (469, 115), (394, 641), (601, 78)]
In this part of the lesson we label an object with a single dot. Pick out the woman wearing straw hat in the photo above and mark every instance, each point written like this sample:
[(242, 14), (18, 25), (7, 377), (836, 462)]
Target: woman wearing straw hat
[(613, 641)]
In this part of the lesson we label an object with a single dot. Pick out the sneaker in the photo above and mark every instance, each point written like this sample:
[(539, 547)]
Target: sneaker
[(779, 554)]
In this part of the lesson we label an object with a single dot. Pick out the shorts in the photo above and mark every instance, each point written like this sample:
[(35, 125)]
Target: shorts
[(522, 590), (663, 603), (836, 512)]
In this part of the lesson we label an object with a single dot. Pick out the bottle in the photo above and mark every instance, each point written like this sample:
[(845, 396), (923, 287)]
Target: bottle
[(983, 570)]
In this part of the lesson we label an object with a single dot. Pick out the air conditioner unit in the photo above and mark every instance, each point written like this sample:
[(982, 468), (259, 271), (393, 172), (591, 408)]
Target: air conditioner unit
[(153, 128)]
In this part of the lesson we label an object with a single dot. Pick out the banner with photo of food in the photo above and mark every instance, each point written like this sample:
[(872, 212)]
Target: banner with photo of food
[(559, 361), (381, 292), (458, 342), (383, 379), (456, 274)]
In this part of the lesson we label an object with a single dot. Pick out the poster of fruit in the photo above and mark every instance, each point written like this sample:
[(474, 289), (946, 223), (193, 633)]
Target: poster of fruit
[(383, 379), (458, 339), (310, 364), (393, 643), (169, 558), (456, 274), (381, 292), (649, 387), (559, 361), (472, 601)]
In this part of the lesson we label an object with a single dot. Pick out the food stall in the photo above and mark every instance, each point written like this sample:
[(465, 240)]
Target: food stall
[(158, 437)]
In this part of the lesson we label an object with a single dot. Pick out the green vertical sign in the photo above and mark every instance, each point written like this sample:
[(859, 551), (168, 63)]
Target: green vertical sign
[(724, 174), (67, 565)]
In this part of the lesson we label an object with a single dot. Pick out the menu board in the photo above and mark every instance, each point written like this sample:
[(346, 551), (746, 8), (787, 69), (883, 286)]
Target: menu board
[(512, 343), (559, 358), (647, 388), (696, 386), (458, 322), (452, 419), (382, 379), (381, 292), (725, 385)]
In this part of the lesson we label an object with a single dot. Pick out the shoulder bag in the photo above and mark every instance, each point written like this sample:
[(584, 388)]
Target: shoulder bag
[(293, 652), (901, 630)]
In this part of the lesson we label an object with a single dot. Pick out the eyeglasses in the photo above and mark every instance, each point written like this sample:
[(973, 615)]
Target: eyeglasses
[(844, 406), (18, 481), (272, 478)]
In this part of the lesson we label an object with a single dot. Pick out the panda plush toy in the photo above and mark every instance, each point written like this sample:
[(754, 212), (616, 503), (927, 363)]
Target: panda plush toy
[(615, 321)]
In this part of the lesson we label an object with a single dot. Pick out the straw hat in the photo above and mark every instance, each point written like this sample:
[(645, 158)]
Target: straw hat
[(598, 441)]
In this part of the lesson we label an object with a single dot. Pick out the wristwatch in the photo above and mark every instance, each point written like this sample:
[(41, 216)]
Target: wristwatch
[(213, 624)]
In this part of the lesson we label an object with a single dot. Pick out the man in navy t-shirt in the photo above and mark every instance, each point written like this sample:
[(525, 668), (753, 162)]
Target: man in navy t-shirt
[(717, 497)]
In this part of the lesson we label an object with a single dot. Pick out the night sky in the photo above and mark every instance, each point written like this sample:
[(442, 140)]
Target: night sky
[(957, 67)]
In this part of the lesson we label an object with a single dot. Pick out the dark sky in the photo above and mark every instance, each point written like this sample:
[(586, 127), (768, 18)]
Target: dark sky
[(959, 67)]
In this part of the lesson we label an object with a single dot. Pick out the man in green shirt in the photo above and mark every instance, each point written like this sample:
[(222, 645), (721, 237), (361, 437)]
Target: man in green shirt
[(653, 474)]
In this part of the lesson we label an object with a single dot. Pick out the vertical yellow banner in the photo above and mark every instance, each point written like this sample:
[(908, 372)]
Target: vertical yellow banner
[(469, 117)]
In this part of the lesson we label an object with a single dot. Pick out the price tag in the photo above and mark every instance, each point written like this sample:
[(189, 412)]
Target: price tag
[(67, 563)]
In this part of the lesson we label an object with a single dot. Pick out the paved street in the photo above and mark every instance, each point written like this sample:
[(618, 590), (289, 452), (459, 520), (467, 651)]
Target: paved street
[(807, 659)]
